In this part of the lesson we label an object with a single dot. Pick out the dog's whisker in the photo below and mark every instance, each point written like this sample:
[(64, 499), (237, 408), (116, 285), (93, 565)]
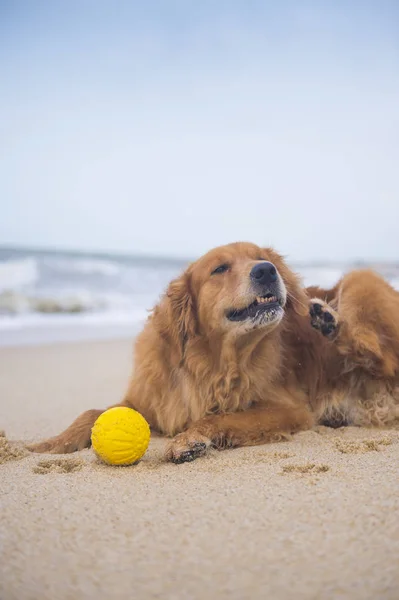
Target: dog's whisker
[(296, 299)]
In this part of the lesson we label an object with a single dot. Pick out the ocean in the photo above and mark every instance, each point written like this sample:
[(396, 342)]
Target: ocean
[(63, 296)]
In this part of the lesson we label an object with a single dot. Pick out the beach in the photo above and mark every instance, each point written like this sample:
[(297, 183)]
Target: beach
[(314, 517)]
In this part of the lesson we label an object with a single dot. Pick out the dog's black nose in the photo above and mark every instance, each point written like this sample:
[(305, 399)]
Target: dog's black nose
[(264, 273)]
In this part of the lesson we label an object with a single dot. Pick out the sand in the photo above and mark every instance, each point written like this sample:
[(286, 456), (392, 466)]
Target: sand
[(314, 517)]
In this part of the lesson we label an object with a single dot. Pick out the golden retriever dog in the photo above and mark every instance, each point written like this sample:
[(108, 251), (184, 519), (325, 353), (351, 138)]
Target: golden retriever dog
[(238, 353)]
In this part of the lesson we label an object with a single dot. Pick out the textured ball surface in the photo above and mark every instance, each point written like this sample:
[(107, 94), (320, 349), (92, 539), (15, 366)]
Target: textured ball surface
[(120, 436)]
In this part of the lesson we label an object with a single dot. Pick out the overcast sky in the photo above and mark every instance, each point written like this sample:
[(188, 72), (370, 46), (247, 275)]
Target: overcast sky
[(171, 127)]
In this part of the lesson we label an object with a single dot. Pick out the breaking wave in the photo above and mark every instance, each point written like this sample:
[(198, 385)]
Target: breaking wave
[(18, 273)]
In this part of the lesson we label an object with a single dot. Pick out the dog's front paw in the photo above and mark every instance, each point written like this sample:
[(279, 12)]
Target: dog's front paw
[(187, 446), (324, 318)]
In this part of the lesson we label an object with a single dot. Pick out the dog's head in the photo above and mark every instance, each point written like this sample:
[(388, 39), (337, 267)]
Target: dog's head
[(238, 288)]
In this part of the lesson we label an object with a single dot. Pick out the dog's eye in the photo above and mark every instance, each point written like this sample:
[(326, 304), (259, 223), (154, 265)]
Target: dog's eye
[(220, 269)]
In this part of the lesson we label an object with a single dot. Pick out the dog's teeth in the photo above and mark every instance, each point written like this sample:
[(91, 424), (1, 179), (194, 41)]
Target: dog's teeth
[(261, 300)]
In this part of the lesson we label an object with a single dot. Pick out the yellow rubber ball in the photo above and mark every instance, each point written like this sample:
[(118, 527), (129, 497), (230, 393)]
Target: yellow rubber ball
[(120, 436)]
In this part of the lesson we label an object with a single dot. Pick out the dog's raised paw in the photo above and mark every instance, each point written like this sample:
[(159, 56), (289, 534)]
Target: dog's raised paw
[(323, 318)]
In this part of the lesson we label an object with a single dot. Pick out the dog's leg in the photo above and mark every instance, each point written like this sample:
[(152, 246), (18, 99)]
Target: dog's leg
[(248, 428), (363, 321), (76, 437)]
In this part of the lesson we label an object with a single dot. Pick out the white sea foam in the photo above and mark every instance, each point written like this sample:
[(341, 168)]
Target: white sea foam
[(37, 320), (15, 274), (67, 302), (16, 303), (35, 328), (86, 266)]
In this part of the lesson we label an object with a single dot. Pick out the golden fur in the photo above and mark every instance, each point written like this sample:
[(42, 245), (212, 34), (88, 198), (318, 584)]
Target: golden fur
[(210, 380)]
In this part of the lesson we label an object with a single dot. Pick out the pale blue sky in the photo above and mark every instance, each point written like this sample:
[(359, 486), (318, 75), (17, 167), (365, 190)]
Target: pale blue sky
[(171, 127)]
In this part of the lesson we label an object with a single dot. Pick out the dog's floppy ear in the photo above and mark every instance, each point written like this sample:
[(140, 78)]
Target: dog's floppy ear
[(182, 318), (296, 295)]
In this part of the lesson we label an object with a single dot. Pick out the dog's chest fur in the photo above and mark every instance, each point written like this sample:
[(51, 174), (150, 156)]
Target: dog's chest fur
[(232, 381)]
